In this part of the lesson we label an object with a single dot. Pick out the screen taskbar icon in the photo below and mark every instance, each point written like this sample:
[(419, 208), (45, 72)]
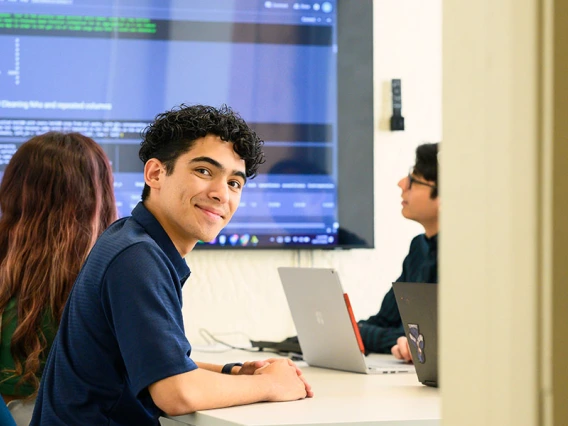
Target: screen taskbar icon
[(232, 240), (251, 240)]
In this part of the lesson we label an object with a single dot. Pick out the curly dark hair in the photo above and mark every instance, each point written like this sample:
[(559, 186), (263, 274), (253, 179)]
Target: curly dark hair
[(174, 132), (426, 165)]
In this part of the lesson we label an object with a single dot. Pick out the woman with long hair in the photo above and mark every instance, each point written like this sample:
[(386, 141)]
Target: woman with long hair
[(56, 198)]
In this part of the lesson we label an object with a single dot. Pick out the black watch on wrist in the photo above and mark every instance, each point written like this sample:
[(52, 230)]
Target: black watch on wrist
[(227, 368)]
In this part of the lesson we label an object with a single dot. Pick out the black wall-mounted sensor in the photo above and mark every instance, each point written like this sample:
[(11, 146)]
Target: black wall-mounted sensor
[(397, 120)]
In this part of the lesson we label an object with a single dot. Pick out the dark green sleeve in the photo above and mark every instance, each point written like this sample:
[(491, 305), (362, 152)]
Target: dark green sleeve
[(380, 332), (9, 384)]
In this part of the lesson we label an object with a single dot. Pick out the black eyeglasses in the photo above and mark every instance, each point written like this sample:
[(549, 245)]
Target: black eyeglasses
[(412, 179)]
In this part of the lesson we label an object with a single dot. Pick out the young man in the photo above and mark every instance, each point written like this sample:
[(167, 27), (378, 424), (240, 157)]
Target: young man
[(420, 202), (121, 356)]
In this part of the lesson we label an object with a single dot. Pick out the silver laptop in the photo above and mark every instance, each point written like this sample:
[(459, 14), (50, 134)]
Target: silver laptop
[(325, 330)]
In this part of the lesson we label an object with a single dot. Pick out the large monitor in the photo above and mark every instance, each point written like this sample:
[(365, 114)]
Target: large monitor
[(299, 72)]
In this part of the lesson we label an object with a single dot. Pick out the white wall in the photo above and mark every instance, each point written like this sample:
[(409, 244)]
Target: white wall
[(232, 291)]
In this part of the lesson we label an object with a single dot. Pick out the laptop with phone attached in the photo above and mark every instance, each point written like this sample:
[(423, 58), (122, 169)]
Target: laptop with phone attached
[(418, 307), (326, 331)]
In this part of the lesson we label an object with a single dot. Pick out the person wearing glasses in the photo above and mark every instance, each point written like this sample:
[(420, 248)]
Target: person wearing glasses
[(384, 332)]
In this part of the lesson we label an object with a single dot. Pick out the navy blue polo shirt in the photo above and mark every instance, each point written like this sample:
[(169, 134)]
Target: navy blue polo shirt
[(121, 331)]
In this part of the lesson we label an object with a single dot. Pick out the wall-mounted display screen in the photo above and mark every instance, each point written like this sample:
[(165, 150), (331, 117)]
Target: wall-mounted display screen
[(105, 68)]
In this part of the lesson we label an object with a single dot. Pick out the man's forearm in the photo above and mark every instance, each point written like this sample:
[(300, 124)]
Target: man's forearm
[(379, 339), (202, 389)]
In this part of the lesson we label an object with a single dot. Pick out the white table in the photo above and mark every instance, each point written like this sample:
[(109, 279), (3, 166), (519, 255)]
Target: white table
[(340, 399)]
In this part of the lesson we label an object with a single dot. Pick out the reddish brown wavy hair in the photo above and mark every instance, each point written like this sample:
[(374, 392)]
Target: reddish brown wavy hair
[(56, 198)]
